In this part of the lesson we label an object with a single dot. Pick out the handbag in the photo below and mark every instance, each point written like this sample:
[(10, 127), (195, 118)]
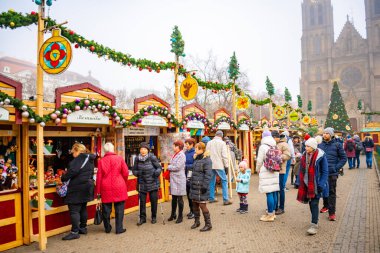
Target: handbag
[(62, 189), (98, 214)]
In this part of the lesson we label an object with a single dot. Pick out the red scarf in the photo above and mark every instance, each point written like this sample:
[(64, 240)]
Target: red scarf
[(307, 192)]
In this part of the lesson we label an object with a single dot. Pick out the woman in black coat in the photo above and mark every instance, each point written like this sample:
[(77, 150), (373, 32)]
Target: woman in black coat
[(147, 169), (200, 186), (80, 190)]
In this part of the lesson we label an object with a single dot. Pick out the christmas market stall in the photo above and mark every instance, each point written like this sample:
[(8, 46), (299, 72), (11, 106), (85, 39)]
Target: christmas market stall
[(81, 113), (10, 164)]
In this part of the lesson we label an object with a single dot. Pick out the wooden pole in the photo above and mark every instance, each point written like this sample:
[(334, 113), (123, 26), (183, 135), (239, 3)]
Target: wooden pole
[(234, 109), (176, 90), (25, 182), (40, 134), (271, 111)]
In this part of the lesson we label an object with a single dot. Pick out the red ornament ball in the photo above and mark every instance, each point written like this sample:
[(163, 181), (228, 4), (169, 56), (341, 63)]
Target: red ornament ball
[(150, 70), (77, 45), (129, 64), (158, 70), (33, 13), (71, 32), (140, 68), (92, 48)]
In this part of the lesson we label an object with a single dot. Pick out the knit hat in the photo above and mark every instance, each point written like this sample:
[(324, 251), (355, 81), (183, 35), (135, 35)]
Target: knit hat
[(312, 142), (145, 145), (275, 134), (266, 133), (306, 137), (243, 164), (329, 130), (206, 139), (348, 136), (219, 133)]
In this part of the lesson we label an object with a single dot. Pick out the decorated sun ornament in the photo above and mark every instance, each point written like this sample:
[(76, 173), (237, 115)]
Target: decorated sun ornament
[(279, 112), (242, 103), (313, 121), (55, 53), (306, 120), (293, 116)]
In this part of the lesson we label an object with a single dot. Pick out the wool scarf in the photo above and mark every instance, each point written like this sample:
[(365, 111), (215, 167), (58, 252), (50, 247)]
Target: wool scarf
[(306, 192)]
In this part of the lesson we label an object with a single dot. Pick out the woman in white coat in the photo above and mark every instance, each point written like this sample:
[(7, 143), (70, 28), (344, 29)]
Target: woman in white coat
[(268, 181)]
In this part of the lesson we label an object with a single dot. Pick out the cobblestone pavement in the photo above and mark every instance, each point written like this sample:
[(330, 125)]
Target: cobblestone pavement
[(357, 228)]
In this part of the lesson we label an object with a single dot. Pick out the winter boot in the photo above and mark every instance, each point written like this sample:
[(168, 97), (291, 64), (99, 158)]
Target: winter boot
[(197, 222), (244, 209), (208, 225), (240, 208)]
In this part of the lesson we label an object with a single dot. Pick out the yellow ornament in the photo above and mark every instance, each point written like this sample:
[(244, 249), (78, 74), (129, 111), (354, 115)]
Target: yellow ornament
[(335, 116), (189, 88), (279, 112), (12, 24), (314, 121), (85, 42), (306, 120), (348, 128), (11, 10), (242, 103), (79, 40), (293, 116)]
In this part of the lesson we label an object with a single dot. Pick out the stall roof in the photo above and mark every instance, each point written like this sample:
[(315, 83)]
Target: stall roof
[(13, 83), (150, 97), (193, 105), (223, 111)]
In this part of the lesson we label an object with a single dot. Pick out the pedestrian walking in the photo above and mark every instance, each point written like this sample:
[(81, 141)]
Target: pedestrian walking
[(358, 150), (147, 169), (190, 152), (268, 181), (111, 187), (200, 186), (283, 146), (80, 189), (243, 179), (218, 154), (177, 181), (313, 180), (291, 160), (336, 159), (350, 149), (368, 145)]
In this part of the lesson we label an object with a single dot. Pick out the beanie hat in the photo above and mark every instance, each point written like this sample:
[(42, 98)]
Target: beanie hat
[(329, 130), (243, 164), (145, 145), (307, 136), (206, 139), (312, 142), (275, 134), (266, 133), (348, 136)]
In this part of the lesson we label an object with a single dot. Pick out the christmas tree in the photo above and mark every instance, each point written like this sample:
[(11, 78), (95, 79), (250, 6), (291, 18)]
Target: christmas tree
[(269, 87), (299, 100), (309, 106), (288, 96), (178, 44), (233, 68), (337, 117)]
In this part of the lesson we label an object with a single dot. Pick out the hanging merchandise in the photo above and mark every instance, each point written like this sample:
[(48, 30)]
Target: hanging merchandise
[(55, 54), (306, 120), (189, 88), (293, 116), (279, 112), (242, 103)]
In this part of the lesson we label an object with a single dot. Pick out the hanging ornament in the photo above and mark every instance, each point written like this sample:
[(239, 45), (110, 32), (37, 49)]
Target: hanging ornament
[(7, 101), (279, 112), (42, 124), (24, 108), (293, 116), (335, 116), (306, 120), (242, 103), (25, 114), (314, 121), (53, 116), (87, 102), (57, 121), (348, 128), (77, 108), (32, 121), (189, 88)]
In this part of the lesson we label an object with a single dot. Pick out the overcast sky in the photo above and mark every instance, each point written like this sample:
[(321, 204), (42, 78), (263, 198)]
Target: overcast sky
[(264, 33)]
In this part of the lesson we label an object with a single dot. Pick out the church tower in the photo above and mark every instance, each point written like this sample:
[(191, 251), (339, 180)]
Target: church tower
[(317, 45)]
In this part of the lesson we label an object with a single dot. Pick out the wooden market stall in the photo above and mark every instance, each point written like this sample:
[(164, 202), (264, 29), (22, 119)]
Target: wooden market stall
[(85, 125), (10, 166), (373, 129)]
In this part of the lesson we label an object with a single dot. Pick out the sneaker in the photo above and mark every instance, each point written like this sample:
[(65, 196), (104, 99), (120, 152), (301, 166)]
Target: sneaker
[(286, 189), (268, 218), (243, 211), (313, 229), (71, 236), (226, 203), (238, 210), (154, 220), (279, 212), (324, 210), (83, 231), (332, 217), (212, 201)]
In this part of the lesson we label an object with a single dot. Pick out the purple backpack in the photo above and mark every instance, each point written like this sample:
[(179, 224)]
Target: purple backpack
[(273, 159)]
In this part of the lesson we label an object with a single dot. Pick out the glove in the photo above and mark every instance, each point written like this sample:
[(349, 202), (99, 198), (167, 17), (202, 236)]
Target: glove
[(203, 190), (319, 189), (341, 172)]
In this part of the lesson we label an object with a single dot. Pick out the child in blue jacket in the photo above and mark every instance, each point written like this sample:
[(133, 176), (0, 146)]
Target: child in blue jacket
[(242, 187)]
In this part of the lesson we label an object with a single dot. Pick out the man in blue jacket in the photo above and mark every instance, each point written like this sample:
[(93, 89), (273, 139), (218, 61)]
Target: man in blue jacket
[(336, 158)]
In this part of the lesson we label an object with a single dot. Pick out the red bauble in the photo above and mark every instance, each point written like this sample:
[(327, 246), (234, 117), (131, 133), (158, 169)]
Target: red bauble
[(129, 64), (76, 45), (33, 13), (193, 73), (140, 68), (158, 70), (71, 32), (150, 70), (92, 48)]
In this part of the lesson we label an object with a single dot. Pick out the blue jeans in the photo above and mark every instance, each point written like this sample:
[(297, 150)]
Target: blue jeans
[(314, 209), (350, 160), (271, 201), (280, 204), (223, 177), (357, 160), (368, 159), (288, 164)]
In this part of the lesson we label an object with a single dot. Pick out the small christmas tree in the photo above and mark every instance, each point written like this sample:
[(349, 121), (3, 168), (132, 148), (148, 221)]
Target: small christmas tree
[(233, 68), (178, 44), (309, 106), (299, 100), (269, 87), (337, 117), (288, 96), (360, 105)]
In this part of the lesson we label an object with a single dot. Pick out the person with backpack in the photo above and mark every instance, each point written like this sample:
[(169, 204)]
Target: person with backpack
[(336, 158), (350, 149), (283, 146), (147, 169), (268, 166), (313, 175), (358, 149), (368, 145)]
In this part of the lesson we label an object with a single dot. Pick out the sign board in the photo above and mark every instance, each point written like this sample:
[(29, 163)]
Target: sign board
[(154, 120), (195, 124), (142, 131), (87, 117), (4, 114), (224, 126), (189, 88), (244, 127)]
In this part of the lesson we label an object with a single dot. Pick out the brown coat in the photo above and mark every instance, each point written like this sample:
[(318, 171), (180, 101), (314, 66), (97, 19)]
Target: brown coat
[(283, 146)]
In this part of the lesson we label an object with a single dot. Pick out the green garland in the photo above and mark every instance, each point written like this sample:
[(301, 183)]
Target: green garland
[(223, 119), (247, 122), (153, 110), (371, 113), (309, 106), (196, 116)]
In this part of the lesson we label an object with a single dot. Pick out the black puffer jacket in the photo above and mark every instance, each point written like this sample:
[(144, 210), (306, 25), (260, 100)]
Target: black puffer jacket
[(81, 186), (147, 170), (200, 178)]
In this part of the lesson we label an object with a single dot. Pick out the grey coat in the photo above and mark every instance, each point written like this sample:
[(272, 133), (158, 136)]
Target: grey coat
[(177, 174)]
